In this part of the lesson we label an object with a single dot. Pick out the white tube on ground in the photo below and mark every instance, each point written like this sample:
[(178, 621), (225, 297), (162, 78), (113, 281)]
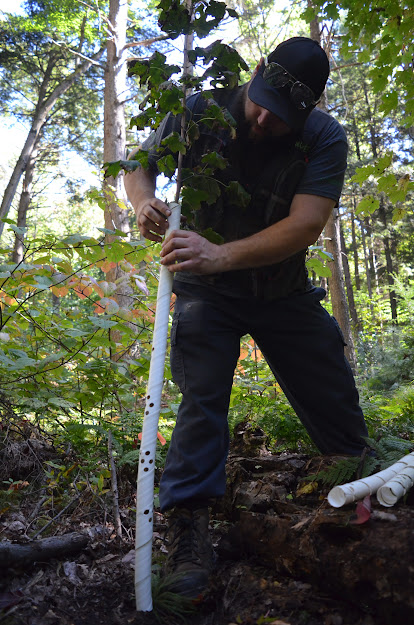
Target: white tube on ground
[(397, 487), (145, 480), (347, 493)]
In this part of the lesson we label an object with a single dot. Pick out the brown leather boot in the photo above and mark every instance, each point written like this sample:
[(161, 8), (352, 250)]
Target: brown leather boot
[(190, 552)]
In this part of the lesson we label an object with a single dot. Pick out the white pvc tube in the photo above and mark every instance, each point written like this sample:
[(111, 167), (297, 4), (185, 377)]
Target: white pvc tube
[(145, 480), (396, 488), (341, 495)]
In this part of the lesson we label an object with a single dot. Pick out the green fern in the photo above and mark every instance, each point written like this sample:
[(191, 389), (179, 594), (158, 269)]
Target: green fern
[(388, 450), (342, 471)]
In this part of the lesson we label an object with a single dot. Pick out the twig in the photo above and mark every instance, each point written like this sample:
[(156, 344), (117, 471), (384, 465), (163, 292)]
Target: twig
[(59, 514), (114, 487), (145, 42)]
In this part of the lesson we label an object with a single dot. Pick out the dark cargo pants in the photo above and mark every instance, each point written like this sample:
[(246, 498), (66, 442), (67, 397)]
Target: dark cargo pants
[(303, 346)]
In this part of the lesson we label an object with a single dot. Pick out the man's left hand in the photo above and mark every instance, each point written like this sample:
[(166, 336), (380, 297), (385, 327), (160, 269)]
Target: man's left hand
[(183, 250)]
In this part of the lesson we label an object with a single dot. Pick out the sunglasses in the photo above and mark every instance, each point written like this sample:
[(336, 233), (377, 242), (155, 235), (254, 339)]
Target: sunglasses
[(301, 95)]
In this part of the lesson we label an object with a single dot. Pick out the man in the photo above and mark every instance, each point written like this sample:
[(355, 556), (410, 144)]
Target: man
[(291, 158)]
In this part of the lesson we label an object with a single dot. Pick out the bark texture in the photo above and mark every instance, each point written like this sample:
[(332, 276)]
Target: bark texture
[(13, 555)]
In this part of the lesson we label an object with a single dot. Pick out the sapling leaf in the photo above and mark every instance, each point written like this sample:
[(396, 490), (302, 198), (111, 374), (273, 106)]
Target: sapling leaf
[(316, 265), (174, 142), (112, 169), (174, 18), (215, 160), (192, 198), (167, 165), (212, 236), (362, 174), (237, 194), (115, 252), (367, 206)]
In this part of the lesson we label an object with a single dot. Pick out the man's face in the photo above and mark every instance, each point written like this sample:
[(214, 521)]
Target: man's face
[(262, 124)]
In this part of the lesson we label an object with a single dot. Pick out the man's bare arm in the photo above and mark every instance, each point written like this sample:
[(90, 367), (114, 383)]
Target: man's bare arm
[(188, 251), (151, 212)]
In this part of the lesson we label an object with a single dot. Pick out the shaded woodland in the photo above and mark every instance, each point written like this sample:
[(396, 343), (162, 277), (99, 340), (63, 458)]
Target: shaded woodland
[(77, 302)]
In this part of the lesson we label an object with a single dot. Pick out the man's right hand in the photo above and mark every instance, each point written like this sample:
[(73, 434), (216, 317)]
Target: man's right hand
[(152, 218)]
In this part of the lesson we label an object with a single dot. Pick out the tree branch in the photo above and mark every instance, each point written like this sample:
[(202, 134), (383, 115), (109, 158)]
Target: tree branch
[(145, 42), (78, 54)]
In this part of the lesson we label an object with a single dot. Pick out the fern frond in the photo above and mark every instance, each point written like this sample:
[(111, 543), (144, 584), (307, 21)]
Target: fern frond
[(341, 472), (389, 449)]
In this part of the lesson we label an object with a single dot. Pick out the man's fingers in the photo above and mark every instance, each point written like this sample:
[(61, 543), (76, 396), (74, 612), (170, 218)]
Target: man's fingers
[(150, 235), (176, 239), (161, 207)]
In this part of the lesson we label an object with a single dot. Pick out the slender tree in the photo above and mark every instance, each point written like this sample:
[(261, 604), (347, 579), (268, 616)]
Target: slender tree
[(43, 72)]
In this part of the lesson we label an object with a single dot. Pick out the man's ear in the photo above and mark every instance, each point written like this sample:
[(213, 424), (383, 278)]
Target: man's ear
[(256, 69)]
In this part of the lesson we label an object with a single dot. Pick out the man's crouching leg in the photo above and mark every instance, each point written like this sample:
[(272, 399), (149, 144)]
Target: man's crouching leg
[(190, 551)]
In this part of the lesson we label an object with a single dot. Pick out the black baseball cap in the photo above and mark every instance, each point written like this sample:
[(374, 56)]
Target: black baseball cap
[(304, 60)]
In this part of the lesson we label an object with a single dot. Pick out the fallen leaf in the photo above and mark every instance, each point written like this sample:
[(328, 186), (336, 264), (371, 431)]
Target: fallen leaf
[(362, 511), (307, 489)]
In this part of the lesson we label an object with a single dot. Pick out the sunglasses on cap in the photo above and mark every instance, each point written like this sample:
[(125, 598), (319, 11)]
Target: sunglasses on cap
[(276, 76)]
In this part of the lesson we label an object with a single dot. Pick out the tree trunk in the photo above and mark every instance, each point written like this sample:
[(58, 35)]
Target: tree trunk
[(389, 263), (367, 267), (355, 251), (40, 116), (115, 136), (24, 204), (337, 287), (356, 324), (336, 282)]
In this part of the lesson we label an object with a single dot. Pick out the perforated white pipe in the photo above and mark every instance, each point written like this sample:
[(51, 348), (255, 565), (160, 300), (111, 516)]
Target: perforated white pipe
[(397, 487), (145, 481), (347, 493)]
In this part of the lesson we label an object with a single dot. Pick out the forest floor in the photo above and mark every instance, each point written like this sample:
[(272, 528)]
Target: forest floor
[(285, 557)]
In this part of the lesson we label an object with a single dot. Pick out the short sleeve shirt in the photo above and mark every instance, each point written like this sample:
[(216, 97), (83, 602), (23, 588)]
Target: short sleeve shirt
[(323, 135)]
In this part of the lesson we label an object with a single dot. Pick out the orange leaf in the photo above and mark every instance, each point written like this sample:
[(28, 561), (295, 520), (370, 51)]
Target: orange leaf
[(106, 266), (161, 438), (79, 294), (143, 314), (243, 354), (18, 485), (98, 289), (59, 291)]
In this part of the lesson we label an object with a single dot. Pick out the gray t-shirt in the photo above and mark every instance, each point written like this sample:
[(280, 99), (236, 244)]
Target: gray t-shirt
[(325, 146), (327, 154)]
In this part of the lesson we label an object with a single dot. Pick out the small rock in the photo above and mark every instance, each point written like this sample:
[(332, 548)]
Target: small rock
[(16, 527)]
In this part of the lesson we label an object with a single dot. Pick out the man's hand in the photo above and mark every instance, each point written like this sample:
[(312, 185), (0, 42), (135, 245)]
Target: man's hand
[(188, 251), (152, 218)]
